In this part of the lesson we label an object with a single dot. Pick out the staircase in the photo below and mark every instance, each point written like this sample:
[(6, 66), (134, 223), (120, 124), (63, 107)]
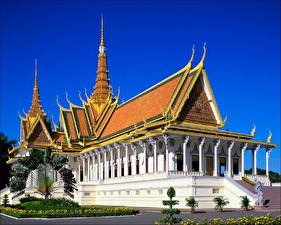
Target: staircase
[(271, 193)]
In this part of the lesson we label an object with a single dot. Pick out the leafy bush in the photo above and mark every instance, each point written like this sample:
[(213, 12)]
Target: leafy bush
[(53, 203), (68, 212), (245, 202), (170, 219), (5, 200), (192, 203), (28, 198), (220, 202)]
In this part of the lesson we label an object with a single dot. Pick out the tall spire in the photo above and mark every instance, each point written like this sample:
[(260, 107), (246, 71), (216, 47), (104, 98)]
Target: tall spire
[(102, 88), (36, 107)]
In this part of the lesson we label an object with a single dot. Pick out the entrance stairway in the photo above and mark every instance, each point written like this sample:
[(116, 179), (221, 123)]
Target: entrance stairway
[(273, 194)]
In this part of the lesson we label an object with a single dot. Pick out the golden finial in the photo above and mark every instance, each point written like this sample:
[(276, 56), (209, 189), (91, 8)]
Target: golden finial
[(253, 130), (201, 63), (25, 114), (80, 97), (102, 45), (86, 94), (22, 118), (224, 121), (269, 136), (58, 103), (192, 57), (35, 73), (67, 99)]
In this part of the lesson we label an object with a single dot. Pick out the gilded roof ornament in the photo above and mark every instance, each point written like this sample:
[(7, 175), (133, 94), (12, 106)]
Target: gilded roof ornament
[(269, 137), (81, 99), (59, 105), (201, 63), (86, 94), (253, 130), (224, 121)]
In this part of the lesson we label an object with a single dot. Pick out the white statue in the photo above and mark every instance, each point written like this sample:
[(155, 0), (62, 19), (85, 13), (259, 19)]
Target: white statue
[(259, 192)]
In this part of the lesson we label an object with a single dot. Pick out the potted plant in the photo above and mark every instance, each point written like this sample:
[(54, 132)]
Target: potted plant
[(192, 203), (220, 202), (245, 202)]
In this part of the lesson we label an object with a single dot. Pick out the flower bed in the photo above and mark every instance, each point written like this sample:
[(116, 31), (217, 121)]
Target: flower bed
[(75, 212), (239, 221), (249, 181)]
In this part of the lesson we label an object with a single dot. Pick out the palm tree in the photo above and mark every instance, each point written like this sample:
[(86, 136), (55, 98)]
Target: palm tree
[(43, 161), (192, 203), (220, 202), (5, 144), (245, 202)]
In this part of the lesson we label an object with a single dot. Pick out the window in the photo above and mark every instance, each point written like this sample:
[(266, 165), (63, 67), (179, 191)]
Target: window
[(215, 190), (137, 192), (128, 192), (160, 191), (148, 192), (87, 194)]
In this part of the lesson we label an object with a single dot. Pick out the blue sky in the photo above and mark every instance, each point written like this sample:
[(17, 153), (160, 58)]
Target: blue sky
[(146, 42)]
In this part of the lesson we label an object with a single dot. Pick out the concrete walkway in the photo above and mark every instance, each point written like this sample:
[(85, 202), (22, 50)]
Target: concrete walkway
[(146, 216)]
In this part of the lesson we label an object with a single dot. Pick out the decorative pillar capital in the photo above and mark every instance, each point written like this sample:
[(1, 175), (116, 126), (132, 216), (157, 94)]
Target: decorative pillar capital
[(231, 145), (152, 140), (166, 138), (143, 145), (186, 139), (268, 150), (117, 145), (257, 148), (202, 141), (134, 147), (244, 146), (217, 143)]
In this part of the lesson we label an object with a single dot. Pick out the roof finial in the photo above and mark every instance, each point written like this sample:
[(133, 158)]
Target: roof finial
[(35, 73), (102, 45)]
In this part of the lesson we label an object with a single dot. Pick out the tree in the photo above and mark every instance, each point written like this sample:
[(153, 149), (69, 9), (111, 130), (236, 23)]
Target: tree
[(220, 202), (5, 144), (5, 200), (192, 203), (44, 161), (170, 219), (245, 202)]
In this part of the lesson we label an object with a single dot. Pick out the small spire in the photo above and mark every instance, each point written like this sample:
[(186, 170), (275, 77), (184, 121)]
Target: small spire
[(102, 45), (36, 107)]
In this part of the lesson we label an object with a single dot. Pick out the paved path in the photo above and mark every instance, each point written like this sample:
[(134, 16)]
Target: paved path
[(147, 216)]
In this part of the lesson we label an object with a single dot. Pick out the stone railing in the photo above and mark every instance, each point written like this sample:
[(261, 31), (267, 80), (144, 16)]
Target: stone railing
[(262, 178)]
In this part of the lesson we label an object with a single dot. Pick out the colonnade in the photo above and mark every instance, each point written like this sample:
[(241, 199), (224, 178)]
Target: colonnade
[(120, 159)]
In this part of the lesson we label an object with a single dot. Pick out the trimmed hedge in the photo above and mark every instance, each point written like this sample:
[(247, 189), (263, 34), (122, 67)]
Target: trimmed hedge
[(53, 203), (68, 212), (249, 181)]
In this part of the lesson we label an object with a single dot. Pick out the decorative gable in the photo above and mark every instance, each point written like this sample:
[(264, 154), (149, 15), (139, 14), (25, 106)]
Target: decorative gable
[(39, 134), (197, 108)]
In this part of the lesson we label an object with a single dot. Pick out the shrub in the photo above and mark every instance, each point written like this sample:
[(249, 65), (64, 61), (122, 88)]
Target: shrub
[(246, 179), (5, 200), (68, 212), (245, 202), (28, 198), (53, 203), (170, 219), (220, 202), (192, 203)]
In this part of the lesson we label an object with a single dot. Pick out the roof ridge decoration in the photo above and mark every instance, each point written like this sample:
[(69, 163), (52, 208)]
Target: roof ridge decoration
[(102, 90), (36, 107)]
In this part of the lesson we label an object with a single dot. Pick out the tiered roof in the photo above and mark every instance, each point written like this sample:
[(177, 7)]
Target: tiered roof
[(182, 103)]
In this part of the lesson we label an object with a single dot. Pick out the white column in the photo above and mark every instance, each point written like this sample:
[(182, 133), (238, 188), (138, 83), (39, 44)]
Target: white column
[(118, 147), (79, 170), (134, 157), (217, 144), (267, 154), (93, 166), (202, 141), (243, 159), (154, 146), (229, 164), (105, 167), (126, 160), (84, 169), (143, 146), (112, 163), (167, 158), (184, 153), (88, 166), (255, 151), (99, 165)]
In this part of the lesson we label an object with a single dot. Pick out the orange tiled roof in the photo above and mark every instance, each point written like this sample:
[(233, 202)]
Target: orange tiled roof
[(143, 107), (81, 121), (70, 126)]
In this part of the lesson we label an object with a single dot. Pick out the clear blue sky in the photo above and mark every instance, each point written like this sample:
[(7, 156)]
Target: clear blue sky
[(146, 42)]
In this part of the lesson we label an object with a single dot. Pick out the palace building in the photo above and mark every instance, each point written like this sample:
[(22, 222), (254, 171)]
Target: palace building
[(129, 154)]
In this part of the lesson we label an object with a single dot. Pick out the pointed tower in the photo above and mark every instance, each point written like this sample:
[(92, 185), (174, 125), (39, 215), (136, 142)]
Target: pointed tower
[(102, 90), (36, 107)]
